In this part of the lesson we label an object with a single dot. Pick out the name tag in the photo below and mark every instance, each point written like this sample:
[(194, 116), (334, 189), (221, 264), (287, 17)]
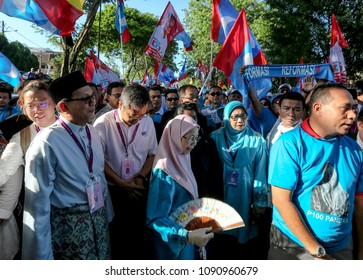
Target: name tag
[(95, 195), (127, 169), (232, 177)]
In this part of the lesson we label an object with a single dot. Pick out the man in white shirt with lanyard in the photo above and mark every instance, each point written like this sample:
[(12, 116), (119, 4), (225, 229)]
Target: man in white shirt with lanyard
[(129, 142)]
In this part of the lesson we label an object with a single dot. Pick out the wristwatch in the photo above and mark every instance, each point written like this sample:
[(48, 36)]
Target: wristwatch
[(320, 252)]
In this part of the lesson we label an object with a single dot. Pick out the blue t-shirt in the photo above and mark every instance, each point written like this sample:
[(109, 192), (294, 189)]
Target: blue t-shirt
[(262, 124), (324, 177)]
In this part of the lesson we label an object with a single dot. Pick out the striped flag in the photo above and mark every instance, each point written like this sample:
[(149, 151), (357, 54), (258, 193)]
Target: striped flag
[(55, 16), (120, 21)]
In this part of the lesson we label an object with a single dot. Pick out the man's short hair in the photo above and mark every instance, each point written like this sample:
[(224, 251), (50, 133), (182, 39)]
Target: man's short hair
[(322, 94), (184, 88), (156, 88), (169, 91), (135, 96), (33, 85), (215, 86), (114, 85), (359, 86), (5, 89), (360, 116), (293, 95)]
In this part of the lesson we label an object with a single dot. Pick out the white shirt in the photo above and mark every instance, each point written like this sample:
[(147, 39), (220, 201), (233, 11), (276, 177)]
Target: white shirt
[(143, 145), (359, 141)]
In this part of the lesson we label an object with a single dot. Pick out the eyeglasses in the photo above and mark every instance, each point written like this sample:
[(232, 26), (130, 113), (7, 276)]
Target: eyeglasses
[(238, 116), (215, 93), (192, 138), (87, 100), (41, 105), (172, 99), (155, 96)]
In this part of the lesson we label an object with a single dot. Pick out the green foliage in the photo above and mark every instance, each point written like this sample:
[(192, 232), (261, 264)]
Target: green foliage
[(19, 55), (285, 29)]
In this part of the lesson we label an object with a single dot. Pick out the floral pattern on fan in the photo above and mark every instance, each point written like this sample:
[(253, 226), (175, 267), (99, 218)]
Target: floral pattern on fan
[(206, 212)]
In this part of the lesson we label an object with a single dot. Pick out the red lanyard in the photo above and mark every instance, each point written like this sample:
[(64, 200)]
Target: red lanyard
[(75, 139), (122, 135)]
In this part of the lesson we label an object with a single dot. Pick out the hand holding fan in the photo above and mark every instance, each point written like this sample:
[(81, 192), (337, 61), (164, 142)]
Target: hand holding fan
[(207, 212)]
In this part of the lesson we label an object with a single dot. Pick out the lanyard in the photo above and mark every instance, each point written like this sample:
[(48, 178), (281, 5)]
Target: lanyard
[(37, 129), (233, 156), (122, 135), (75, 139)]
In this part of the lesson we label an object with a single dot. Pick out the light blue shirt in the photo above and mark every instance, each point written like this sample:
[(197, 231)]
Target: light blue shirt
[(56, 174)]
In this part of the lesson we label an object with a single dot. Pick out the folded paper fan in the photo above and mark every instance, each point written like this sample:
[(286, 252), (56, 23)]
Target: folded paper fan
[(207, 212)]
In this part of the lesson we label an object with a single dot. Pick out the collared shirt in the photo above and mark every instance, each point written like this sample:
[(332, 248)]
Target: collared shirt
[(359, 141), (211, 114), (158, 115), (324, 176), (143, 145), (56, 174)]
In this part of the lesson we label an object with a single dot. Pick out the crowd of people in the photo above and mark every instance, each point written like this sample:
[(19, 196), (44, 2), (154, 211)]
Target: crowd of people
[(93, 173)]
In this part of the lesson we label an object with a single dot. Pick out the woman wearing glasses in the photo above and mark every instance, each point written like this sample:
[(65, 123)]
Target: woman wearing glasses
[(244, 158), (173, 184), (38, 107)]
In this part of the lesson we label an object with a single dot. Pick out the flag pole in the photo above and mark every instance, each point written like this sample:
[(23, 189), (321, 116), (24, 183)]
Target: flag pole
[(122, 58), (211, 56), (205, 81)]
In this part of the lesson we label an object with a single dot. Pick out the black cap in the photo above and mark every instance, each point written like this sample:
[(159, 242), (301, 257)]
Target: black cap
[(63, 87)]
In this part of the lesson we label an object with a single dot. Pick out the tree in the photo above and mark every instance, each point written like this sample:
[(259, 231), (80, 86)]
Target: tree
[(286, 30), (141, 26), (19, 55), (298, 28), (198, 23)]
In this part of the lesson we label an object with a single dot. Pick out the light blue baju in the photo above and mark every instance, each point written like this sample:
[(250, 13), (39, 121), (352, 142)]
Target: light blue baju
[(56, 175), (245, 178)]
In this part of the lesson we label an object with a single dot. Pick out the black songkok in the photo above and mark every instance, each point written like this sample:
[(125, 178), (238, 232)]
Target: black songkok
[(63, 87)]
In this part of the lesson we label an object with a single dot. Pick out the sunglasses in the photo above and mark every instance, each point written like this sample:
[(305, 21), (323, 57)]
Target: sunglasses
[(189, 106), (238, 116), (87, 100), (172, 99), (41, 105), (215, 93)]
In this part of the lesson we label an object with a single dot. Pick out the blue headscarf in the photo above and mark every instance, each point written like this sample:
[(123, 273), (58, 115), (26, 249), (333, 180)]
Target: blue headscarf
[(233, 135)]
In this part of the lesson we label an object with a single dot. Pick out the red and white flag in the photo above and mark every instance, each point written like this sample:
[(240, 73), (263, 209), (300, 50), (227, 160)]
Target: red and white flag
[(337, 44), (201, 70), (168, 28), (104, 73)]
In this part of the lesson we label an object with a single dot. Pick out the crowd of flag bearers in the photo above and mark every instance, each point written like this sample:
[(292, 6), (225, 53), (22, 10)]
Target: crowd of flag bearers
[(92, 168)]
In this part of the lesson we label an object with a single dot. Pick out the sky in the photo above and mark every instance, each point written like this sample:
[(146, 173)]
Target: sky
[(22, 31)]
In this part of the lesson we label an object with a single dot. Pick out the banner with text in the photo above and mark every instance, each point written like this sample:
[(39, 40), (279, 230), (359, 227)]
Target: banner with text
[(319, 71)]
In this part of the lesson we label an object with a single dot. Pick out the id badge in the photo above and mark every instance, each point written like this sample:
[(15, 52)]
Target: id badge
[(232, 177), (127, 169), (95, 195)]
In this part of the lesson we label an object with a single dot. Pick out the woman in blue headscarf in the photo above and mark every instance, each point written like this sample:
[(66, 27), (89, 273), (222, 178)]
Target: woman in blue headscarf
[(244, 157)]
